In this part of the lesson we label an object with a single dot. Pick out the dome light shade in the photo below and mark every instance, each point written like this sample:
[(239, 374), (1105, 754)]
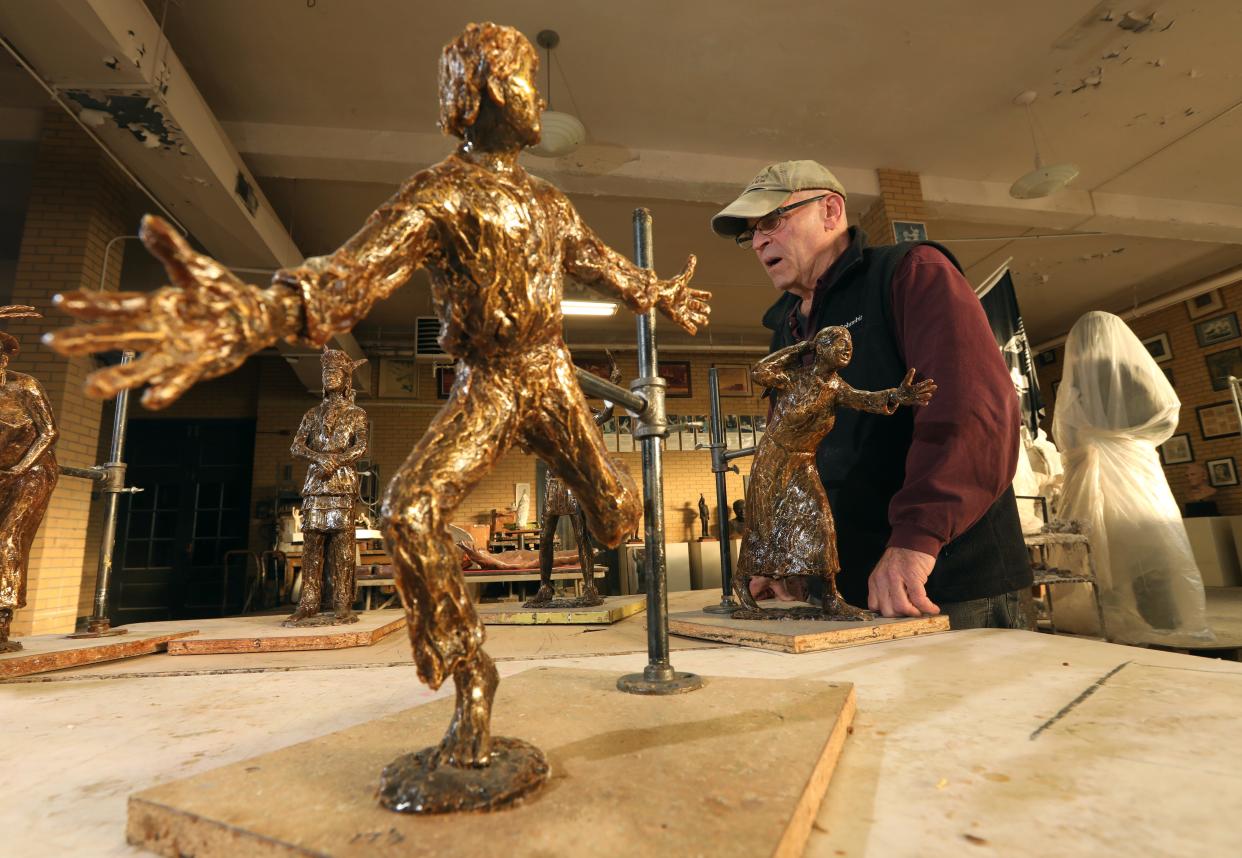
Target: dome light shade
[(562, 134), (1043, 181)]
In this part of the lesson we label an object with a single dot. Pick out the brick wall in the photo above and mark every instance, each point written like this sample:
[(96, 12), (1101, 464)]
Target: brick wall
[(1193, 386), (901, 198), (76, 206)]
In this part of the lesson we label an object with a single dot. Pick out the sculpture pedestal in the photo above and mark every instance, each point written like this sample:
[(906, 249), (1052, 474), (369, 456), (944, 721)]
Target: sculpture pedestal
[(705, 562), (799, 635), (264, 633), (613, 609), (736, 768)]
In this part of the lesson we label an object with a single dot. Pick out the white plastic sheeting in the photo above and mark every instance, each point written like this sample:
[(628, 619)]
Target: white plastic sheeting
[(1113, 409)]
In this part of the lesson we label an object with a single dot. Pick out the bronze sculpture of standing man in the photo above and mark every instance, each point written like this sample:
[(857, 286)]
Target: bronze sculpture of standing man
[(332, 436), (28, 472), (497, 243)]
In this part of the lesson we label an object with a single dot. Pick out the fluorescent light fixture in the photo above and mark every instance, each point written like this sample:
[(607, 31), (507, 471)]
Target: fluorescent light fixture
[(588, 308)]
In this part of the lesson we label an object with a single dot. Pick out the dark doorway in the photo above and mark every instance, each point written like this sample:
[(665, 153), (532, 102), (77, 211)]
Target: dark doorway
[(194, 506)]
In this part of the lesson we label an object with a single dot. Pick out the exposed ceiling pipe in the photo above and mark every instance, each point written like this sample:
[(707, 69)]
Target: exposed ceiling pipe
[(1217, 281)]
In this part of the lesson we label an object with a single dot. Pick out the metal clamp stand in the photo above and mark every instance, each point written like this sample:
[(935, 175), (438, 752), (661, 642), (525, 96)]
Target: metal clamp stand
[(645, 402), (721, 456), (111, 475)]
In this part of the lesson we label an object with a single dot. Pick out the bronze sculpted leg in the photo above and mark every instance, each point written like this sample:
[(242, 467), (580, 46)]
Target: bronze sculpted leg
[(586, 557), (469, 769), (545, 595), (312, 579), (344, 575)]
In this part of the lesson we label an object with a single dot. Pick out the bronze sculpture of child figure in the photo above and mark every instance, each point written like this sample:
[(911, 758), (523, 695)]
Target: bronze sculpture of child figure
[(789, 525), (497, 243)]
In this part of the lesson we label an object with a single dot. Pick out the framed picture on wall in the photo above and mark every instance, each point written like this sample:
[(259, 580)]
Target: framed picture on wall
[(1158, 347), (1222, 472), (1177, 450), (677, 374), (398, 378), (1046, 358), (734, 378), (1217, 329), (446, 374), (1219, 420), (1205, 304), (1221, 365)]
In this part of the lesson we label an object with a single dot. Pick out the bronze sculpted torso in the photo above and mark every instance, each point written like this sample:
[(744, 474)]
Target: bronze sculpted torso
[(28, 474), (789, 526)]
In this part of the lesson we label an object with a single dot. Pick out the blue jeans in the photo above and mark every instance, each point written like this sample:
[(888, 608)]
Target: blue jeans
[(1013, 610)]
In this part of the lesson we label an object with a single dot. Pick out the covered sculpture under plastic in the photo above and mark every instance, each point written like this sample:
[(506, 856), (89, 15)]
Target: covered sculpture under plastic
[(1113, 408)]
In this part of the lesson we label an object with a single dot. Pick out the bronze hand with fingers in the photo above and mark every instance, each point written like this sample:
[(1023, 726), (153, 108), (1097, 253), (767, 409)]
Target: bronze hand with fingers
[(910, 393), (205, 324)]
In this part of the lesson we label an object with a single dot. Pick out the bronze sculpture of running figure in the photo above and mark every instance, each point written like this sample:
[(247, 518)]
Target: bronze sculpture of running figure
[(497, 243), (789, 525)]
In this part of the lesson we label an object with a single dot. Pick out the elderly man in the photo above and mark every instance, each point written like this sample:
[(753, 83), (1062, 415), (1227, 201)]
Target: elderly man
[(926, 517)]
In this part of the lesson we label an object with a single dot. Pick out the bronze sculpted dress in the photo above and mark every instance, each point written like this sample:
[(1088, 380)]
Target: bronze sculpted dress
[(28, 473), (332, 436), (497, 243), (789, 526)]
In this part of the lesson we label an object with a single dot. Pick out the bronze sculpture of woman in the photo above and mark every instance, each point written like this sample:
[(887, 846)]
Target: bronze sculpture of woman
[(497, 243), (789, 526), (332, 436), (28, 473)]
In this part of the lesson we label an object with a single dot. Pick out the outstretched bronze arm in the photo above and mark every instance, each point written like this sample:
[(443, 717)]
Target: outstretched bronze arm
[(596, 264), (207, 322), (887, 401), (773, 370)]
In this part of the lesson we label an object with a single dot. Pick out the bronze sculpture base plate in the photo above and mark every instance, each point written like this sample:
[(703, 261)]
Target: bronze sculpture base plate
[(413, 784), (10, 646), (576, 602), (735, 770), (326, 618), (799, 613), (103, 633)]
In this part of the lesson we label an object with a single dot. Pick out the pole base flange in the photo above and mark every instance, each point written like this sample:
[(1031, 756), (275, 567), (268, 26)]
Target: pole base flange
[(101, 633), (726, 606), (643, 683)]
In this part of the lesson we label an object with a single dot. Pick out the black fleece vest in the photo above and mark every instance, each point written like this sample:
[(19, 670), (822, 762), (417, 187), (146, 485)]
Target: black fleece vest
[(862, 461)]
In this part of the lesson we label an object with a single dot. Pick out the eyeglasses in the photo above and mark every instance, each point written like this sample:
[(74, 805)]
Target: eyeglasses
[(771, 222)]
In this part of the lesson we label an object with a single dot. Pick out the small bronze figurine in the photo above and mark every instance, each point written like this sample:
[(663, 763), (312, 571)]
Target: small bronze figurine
[(332, 436), (497, 243), (28, 472), (789, 526), (704, 518), (558, 500)]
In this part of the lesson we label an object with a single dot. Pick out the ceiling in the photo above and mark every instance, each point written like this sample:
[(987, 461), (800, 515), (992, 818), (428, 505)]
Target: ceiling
[(329, 103)]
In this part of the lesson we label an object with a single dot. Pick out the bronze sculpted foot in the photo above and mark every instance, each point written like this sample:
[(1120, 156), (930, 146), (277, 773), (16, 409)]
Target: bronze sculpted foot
[(6, 645)]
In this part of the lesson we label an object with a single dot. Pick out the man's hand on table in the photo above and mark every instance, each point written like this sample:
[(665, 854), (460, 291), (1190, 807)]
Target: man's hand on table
[(896, 587)]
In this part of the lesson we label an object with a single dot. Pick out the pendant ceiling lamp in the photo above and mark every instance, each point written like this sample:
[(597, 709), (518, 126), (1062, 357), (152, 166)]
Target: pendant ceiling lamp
[(562, 132), (1044, 180)]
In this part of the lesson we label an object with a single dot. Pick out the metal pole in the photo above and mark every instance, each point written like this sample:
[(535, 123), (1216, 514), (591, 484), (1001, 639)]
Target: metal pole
[(658, 677), (98, 625), (719, 467)]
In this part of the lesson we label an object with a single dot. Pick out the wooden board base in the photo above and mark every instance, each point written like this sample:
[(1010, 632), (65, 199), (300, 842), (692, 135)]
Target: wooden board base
[(513, 614), (41, 653), (736, 768), (264, 633), (799, 635)]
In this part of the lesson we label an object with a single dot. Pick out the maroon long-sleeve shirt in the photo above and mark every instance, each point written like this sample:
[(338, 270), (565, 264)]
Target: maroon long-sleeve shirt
[(965, 446)]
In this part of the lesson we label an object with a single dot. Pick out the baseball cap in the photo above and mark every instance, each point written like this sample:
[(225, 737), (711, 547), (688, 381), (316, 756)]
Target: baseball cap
[(769, 189)]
